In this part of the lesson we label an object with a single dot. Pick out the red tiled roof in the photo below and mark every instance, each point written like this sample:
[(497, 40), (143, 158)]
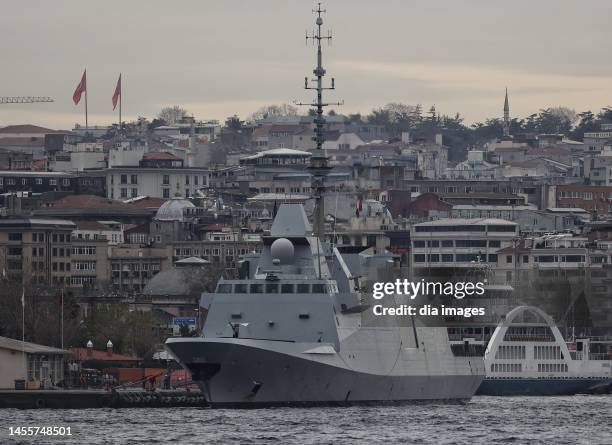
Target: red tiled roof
[(87, 202), (38, 165), (90, 225), (98, 202), (161, 155), (285, 128), (81, 354), (261, 131), (147, 203), (27, 128)]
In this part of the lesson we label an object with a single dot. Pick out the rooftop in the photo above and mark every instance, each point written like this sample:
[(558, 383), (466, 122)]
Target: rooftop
[(82, 354), (279, 152), (100, 203), (161, 155), (27, 128), (36, 222), (30, 348), (466, 222)]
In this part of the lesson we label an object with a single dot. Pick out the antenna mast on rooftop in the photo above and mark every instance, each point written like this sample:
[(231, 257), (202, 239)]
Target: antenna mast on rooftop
[(319, 161)]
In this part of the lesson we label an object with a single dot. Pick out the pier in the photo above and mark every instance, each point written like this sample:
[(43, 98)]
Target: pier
[(80, 399)]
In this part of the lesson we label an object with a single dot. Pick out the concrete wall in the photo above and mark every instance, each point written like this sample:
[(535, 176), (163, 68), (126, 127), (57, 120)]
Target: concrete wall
[(11, 368)]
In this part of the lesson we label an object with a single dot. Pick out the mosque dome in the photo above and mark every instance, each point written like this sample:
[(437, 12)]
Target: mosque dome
[(173, 209)]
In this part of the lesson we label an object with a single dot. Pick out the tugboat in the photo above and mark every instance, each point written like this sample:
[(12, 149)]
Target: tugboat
[(527, 355)]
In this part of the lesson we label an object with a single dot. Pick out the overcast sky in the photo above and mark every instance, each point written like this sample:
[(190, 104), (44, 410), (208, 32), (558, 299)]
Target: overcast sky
[(218, 58)]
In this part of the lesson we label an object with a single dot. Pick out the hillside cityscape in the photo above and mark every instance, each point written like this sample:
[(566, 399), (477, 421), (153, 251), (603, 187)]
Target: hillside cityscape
[(148, 215)]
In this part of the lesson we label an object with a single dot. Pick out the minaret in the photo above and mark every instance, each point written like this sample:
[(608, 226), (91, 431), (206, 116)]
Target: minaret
[(506, 118), (319, 165)]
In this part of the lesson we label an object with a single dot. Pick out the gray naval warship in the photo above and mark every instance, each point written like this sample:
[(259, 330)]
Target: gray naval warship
[(295, 331), (298, 329)]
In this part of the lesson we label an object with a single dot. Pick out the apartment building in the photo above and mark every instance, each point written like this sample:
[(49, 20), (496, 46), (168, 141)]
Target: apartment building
[(36, 250), (459, 243), (594, 199), (131, 182)]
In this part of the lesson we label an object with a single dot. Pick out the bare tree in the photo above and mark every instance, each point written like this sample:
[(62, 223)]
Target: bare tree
[(42, 311), (273, 111), (171, 115)]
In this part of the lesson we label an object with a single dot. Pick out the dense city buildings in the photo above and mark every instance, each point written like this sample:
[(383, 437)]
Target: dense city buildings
[(134, 214)]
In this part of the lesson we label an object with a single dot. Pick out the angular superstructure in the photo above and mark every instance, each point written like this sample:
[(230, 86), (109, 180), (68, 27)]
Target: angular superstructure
[(295, 331)]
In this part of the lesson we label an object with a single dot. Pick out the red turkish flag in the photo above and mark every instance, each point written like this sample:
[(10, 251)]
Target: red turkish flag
[(80, 89), (117, 92)]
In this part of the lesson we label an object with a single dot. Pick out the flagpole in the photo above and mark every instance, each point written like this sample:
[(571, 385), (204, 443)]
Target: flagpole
[(62, 321), (120, 94), (86, 123), (25, 361)]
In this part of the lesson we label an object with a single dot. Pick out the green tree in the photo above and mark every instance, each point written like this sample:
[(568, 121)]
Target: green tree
[(233, 123), (587, 122), (130, 331)]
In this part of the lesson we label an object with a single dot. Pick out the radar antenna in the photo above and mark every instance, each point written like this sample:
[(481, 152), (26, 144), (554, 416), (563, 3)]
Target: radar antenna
[(319, 164)]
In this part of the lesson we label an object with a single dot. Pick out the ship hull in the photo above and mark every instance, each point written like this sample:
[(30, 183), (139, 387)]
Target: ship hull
[(237, 375), (539, 387)]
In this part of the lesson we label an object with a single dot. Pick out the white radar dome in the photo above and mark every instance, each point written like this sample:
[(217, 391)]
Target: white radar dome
[(282, 249)]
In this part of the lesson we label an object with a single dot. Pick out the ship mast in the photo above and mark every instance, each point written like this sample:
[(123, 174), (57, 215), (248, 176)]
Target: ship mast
[(319, 162)]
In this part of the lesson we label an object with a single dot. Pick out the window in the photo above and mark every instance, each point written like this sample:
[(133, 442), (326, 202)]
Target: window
[(52, 182), (467, 257), (186, 179), (492, 258), (66, 182), (14, 251), (505, 228), (318, 288), (124, 193), (418, 244), (447, 243), (123, 179), (14, 236), (509, 259), (240, 288), (166, 180), (286, 288), (256, 288), (303, 288), (134, 193), (166, 193), (525, 259), (447, 257), (272, 288), (419, 258), (224, 289), (134, 179), (494, 243)]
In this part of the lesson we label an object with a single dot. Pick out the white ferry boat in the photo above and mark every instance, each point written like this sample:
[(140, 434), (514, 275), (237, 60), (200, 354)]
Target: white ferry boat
[(527, 355)]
